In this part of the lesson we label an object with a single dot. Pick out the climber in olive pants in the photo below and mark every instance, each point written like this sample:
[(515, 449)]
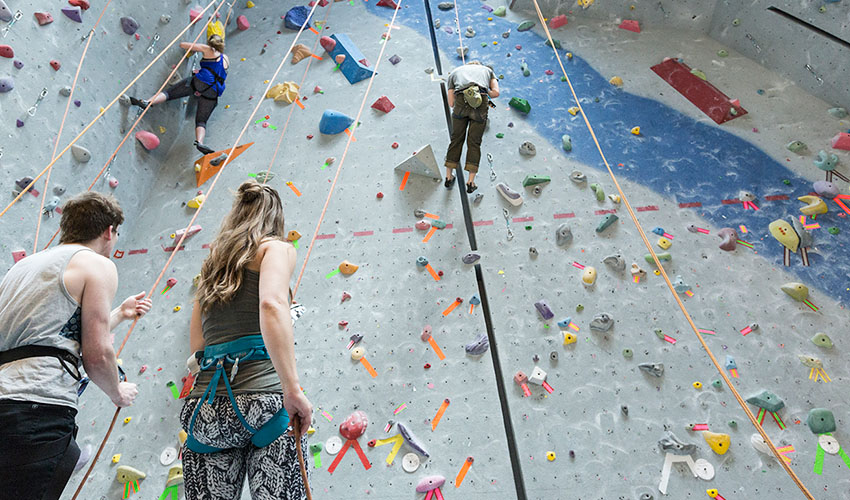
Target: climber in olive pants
[(470, 87)]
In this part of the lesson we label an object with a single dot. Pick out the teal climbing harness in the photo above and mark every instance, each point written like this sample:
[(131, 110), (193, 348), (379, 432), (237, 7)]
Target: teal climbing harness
[(248, 348)]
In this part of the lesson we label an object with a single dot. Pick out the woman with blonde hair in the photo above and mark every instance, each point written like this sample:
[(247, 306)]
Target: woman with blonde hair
[(207, 85), (247, 389)]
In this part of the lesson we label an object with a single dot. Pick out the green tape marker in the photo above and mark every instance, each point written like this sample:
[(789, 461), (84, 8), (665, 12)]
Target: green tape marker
[(295, 244), (332, 273), (316, 450), (843, 455), (174, 392), (819, 460), (173, 490)]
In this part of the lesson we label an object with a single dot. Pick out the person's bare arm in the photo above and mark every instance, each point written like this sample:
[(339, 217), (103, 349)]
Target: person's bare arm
[(197, 47), (451, 97), (494, 88), (196, 334), (101, 282)]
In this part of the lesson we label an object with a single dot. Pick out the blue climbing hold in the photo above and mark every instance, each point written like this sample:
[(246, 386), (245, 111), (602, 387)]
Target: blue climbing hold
[(826, 161), (334, 122), (296, 17), (352, 66), (564, 323)]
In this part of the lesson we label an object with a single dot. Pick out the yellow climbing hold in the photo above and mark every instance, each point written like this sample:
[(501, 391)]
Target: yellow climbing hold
[(250, 4), (489, 18), (712, 493), (664, 243), (311, 431), (569, 55), (127, 420), (697, 385), (181, 436), (126, 474), (116, 458), (347, 267), (569, 338), (550, 456), (172, 235), (616, 81), (161, 129), (657, 272), (573, 110), (284, 92), (495, 43), (636, 130), (177, 308), (196, 202), (718, 442), (227, 106), (175, 476), (585, 3)]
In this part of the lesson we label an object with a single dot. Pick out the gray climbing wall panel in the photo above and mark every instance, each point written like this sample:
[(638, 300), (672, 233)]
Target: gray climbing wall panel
[(616, 455)]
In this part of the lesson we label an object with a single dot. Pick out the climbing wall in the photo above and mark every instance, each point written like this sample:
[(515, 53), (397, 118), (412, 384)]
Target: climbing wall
[(595, 435)]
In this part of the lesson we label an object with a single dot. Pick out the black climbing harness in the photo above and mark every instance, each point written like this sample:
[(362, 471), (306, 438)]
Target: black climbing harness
[(66, 359)]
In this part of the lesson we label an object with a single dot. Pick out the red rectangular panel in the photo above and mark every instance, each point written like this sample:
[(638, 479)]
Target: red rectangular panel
[(708, 98)]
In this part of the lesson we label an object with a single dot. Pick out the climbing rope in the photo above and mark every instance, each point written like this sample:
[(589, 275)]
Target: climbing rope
[(104, 110), (459, 38), (62, 124), (648, 245), (345, 151)]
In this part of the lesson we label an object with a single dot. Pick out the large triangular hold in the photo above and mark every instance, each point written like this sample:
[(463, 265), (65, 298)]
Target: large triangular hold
[(421, 163), (209, 165)]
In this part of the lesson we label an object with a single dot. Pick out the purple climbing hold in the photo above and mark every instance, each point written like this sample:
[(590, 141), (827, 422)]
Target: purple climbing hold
[(543, 309), (18, 63), (129, 25), (297, 17), (6, 84), (19, 123), (395, 59), (77, 103), (73, 13), (826, 189)]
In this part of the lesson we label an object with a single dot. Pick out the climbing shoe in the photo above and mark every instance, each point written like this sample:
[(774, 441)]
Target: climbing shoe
[(139, 102), (450, 182), (203, 149), (470, 188)]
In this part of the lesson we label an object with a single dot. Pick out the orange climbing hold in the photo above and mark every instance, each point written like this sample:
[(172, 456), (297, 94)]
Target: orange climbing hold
[(209, 165), (348, 268)]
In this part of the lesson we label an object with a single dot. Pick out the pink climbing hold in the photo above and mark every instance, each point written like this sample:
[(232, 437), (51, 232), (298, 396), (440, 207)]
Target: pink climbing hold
[(383, 104), (7, 51), (43, 18), (148, 139), (194, 12), (55, 64), (841, 141), (83, 4), (317, 90), (113, 182), (387, 3), (364, 62), (327, 43), (558, 21), (242, 23), (339, 58), (354, 426), (630, 25)]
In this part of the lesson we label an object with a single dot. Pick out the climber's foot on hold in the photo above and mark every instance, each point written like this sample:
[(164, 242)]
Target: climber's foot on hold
[(471, 187), (449, 182), (203, 149), (139, 102)]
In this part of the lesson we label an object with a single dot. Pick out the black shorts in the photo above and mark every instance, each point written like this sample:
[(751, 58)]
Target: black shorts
[(191, 86), (36, 437)]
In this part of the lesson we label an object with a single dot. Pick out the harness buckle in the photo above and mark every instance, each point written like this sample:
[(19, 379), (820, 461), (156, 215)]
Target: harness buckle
[(234, 370)]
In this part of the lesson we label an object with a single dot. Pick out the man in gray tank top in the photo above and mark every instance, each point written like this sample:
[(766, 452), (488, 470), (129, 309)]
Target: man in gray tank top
[(54, 316)]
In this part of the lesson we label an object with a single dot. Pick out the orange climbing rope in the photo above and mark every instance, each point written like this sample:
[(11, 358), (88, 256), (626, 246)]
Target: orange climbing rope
[(345, 151), (648, 245), (62, 124), (292, 108), (183, 237), (104, 110)]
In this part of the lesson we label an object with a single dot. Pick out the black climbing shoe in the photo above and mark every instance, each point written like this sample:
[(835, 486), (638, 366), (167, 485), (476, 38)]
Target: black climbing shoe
[(203, 149), (450, 182), (139, 102), (470, 188)]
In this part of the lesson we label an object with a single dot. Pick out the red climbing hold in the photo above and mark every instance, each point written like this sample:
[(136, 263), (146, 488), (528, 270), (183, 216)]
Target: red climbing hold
[(43, 18), (630, 25), (327, 43), (194, 13), (364, 62), (310, 136), (383, 104), (380, 195), (558, 21), (83, 4), (55, 64), (242, 23), (395, 145), (148, 139), (387, 3), (6, 51), (841, 141), (354, 426)]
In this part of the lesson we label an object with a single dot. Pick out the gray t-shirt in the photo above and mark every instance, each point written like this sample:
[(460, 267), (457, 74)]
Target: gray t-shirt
[(36, 309), (469, 74)]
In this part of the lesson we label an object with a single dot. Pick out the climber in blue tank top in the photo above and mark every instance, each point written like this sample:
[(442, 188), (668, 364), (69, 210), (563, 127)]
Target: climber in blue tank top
[(207, 85)]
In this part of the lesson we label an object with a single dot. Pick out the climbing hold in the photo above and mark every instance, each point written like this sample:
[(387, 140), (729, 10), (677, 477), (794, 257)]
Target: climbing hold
[(615, 262), (719, 443), (421, 261), (299, 52), (826, 189), (7, 84), (524, 68), (383, 104), (606, 222), (531, 180), (469, 32), (663, 257), (589, 275), (630, 25), (519, 104), (717, 383), (544, 310), (679, 284), (242, 23), (18, 63), (296, 17), (602, 322), (327, 43), (838, 112), (566, 142), (563, 235), (628, 353), (470, 258), (6, 51), (577, 177), (841, 141), (569, 338), (334, 122), (354, 426), (422, 225), (357, 353), (785, 234), (597, 189), (445, 6), (55, 64), (394, 59), (197, 201), (532, 252), (148, 139), (635, 130), (656, 369), (730, 239), (479, 345), (430, 483), (815, 205), (525, 25), (826, 161), (821, 421), (796, 146), (126, 474), (767, 400), (573, 110), (822, 340), (500, 11), (722, 53), (80, 153), (347, 268), (284, 92), (746, 196), (129, 25), (438, 224), (834, 230), (73, 13), (509, 194), (697, 385), (83, 4), (796, 291), (558, 21), (527, 149), (43, 18)]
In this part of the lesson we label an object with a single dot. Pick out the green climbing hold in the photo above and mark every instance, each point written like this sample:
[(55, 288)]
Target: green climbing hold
[(627, 353), (484, 44), (528, 228), (519, 104), (822, 340), (579, 308), (796, 146), (717, 383), (767, 400), (722, 53), (500, 11), (699, 74), (438, 224), (822, 9), (733, 423), (567, 142), (500, 135), (838, 112), (598, 191), (525, 25), (524, 68), (834, 230), (557, 44), (531, 180), (663, 257), (563, 78), (821, 421), (606, 222), (659, 333), (736, 22), (787, 182)]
